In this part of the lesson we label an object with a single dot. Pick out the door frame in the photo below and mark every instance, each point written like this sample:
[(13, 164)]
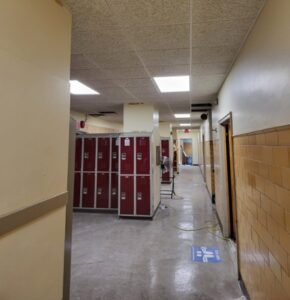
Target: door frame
[(231, 199)]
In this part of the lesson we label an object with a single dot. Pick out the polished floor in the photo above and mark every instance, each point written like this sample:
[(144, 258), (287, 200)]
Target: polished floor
[(132, 259)]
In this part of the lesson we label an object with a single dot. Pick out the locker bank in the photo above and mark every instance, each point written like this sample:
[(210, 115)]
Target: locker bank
[(145, 149)]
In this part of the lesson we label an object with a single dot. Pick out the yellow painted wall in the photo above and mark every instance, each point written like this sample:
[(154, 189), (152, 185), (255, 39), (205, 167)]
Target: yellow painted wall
[(34, 123)]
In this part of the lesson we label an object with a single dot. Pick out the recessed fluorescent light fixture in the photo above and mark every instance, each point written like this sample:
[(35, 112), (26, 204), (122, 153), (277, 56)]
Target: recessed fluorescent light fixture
[(182, 116), (78, 88), (184, 125), (172, 84)]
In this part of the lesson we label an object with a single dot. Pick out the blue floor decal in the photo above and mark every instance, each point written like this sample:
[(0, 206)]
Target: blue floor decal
[(205, 254)]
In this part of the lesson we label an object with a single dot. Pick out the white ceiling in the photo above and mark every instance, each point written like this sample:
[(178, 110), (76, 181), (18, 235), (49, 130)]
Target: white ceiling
[(118, 45)]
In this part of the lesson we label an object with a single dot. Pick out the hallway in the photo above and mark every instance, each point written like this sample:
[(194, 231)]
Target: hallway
[(132, 259)]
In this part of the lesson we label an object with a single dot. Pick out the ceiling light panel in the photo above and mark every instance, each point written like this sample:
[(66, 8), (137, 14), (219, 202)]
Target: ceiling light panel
[(182, 116), (185, 124), (78, 88), (172, 84)]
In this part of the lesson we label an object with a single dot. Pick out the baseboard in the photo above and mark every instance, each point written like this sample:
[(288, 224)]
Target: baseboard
[(243, 287), (99, 210)]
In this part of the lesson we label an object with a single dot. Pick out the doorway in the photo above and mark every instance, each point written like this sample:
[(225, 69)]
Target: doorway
[(229, 175), (186, 151)]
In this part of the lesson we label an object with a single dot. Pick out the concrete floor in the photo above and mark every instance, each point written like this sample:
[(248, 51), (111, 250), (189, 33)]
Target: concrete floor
[(131, 259)]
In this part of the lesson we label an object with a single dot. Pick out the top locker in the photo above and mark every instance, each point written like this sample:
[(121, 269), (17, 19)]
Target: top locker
[(103, 154), (89, 154)]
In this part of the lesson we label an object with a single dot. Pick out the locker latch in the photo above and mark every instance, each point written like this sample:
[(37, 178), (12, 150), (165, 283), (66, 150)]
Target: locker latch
[(139, 196), (100, 155), (114, 191), (123, 196), (139, 156), (86, 155), (123, 156), (114, 155), (85, 191), (99, 191)]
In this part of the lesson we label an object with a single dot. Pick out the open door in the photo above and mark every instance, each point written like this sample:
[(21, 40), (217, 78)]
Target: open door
[(229, 178)]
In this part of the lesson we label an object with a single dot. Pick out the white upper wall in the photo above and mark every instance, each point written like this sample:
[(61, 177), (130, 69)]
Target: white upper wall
[(97, 125), (257, 89)]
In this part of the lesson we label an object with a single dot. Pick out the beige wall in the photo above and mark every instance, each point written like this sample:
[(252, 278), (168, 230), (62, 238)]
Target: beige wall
[(96, 125), (257, 92), (34, 122)]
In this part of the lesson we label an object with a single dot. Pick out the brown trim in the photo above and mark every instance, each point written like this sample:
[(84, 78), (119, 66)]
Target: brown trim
[(18, 218), (60, 2), (267, 130)]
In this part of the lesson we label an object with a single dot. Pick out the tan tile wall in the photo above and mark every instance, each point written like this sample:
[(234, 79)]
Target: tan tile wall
[(262, 169)]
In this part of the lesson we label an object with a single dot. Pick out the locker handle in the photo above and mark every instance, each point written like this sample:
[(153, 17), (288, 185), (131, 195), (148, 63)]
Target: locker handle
[(114, 191), (139, 196), (100, 155), (86, 155), (139, 156), (85, 191), (123, 156), (123, 196), (99, 191)]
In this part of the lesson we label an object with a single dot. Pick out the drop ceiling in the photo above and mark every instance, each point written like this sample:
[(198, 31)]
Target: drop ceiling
[(119, 45)]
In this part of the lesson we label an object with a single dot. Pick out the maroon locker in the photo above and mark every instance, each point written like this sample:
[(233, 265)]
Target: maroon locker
[(165, 152), (102, 192), (78, 154), (127, 155), (143, 155), (88, 190), (89, 154), (143, 195), (115, 155), (77, 189), (103, 154), (127, 195), (114, 190)]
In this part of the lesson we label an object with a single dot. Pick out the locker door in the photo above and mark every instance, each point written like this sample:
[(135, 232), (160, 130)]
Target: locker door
[(127, 155), (143, 195), (127, 195), (77, 189), (114, 190), (78, 154), (115, 155), (88, 190), (165, 152), (143, 155), (89, 154), (102, 190), (103, 154)]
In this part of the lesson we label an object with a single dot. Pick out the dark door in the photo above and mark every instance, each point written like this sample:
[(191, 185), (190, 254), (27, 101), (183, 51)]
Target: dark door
[(114, 190), (127, 155), (89, 154), (143, 195), (143, 155), (115, 155), (127, 195), (77, 189), (102, 193), (88, 190), (103, 154), (78, 154)]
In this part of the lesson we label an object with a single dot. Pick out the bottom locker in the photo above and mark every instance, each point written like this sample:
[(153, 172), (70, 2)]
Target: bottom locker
[(114, 190), (143, 195), (88, 190), (77, 189), (127, 195), (102, 193)]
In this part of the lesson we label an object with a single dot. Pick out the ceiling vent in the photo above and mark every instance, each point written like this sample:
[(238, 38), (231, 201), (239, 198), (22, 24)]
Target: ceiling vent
[(102, 114), (201, 107)]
